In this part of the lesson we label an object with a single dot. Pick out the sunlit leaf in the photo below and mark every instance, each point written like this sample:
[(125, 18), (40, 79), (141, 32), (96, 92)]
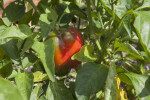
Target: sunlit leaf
[(146, 4), (47, 22), (127, 48), (141, 85), (39, 76), (142, 26), (120, 10), (110, 87), (36, 92), (24, 82), (45, 51), (85, 54), (8, 91), (13, 32)]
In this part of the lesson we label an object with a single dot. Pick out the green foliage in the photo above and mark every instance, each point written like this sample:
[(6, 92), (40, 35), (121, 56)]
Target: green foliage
[(141, 24), (45, 51), (58, 90), (115, 56), (12, 51), (13, 12), (127, 48), (141, 85), (39, 76), (93, 76), (5, 68), (9, 91), (47, 22), (111, 82), (24, 82), (85, 54)]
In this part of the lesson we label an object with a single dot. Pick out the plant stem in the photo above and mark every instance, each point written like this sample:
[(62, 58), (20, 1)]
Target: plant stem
[(89, 17), (99, 14), (78, 27), (112, 7), (60, 19), (1, 6), (97, 5), (100, 19), (33, 5), (110, 37)]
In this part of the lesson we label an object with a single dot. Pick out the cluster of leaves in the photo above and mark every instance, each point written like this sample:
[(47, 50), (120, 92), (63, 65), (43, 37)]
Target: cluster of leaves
[(115, 58)]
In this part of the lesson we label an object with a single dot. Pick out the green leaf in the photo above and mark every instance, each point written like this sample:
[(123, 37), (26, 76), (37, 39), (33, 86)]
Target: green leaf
[(35, 92), (122, 7), (12, 51), (13, 32), (47, 22), (13, 74), (28, 43), (1, 22), (45, 51), (24, 82), (96, 22), (58, 91), (110, 82), (35, 18), (121, 74), (25, 29), (9, 91), (66, 19), (74, 9), (2, 53), (52, 15), (60, 8), (98, 32), (49, 94), (127, 48), (42, 97), (39, 76), (146, 4), (5, 68), (141, 85), (26, 18), (20, 43), (142, 26), (13, 12), (90, 79), (85, 54), (38, 66), (29, 60), (124, 78), (120, 10), (2, 28)]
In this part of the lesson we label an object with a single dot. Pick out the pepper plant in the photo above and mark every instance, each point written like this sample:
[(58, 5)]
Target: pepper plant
[(74, 50)]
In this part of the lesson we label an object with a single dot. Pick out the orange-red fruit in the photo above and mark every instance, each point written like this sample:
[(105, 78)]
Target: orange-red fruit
[(67, 44)]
